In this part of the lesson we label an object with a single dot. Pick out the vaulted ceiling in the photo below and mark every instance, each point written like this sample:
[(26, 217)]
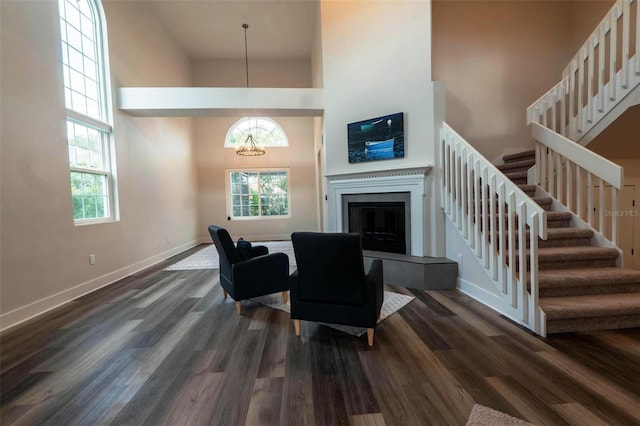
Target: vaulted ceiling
[(208, 29)]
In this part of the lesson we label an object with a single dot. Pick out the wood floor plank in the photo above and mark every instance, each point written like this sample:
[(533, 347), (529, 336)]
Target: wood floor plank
[(626, 401), (164, 347), (297, 406), (530, 407), (575, 413), (274, 357), (375, 419), (264, 408), (394, 404), (196, 402)]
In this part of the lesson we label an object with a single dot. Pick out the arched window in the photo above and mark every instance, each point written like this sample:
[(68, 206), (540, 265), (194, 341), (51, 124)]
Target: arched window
[(87, 98), (266, 132)]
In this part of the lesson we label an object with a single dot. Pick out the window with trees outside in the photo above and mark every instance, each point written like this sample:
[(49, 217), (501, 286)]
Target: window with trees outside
[(258, 193), (86, 91), (265, 130)]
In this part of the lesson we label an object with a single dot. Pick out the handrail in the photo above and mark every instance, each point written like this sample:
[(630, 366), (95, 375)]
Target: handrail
[(594, 163), (566, 170), (598, 77), (497, 220)]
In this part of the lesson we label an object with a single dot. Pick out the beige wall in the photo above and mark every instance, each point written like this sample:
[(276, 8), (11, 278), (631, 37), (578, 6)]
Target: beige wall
[(497, 57), (213, 159), (45, 258), (376, 59), (621, 139)]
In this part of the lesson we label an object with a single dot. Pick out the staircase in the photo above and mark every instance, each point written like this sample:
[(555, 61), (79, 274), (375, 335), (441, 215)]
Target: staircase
[(557, 230), (580, 288)]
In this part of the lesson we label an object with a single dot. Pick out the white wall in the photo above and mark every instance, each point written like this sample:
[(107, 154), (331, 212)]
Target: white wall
[(213, 159), (45, 258), (377, 61)]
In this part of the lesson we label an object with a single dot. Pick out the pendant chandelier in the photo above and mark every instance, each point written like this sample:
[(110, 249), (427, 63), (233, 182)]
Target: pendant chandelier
[(250, 147)]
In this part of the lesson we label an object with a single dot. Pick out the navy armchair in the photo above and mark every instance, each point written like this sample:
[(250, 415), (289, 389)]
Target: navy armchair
[(331, 285), (259, 274)]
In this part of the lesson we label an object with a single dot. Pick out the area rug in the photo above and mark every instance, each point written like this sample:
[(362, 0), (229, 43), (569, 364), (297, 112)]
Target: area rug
[(392, 303), (485, 416), (207, 258)]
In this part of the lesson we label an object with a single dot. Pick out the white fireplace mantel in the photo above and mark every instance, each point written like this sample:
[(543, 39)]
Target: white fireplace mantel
[(411, 180)]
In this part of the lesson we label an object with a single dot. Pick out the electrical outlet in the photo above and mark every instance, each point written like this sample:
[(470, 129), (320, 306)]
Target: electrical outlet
[(168, 240), (92, 259), (460, 259)]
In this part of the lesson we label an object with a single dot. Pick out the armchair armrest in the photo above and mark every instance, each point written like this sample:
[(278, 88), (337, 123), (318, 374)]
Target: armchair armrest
[(374, 291), (269, 272)]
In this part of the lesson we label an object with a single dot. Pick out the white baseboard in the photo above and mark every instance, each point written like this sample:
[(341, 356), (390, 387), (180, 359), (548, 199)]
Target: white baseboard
[(27, 312)]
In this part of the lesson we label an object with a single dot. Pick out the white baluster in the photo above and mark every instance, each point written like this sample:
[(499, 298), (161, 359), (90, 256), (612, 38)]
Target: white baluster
[(493, 220), (533, 250), (513, 282), (502, 249), (601, 209), (522, 257), (589, 199), (626, 31), (613, 46), (601, 53), (486, 227)]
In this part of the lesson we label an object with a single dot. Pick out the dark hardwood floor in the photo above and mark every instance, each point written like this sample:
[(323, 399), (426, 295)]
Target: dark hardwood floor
[(164, 347)]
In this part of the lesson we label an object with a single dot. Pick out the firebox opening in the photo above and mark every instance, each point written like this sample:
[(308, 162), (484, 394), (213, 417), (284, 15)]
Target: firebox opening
[(381, 224)]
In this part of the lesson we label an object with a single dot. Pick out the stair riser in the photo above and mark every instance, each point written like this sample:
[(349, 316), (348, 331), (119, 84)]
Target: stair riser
[(558, 242), (592, 324), (550, 223), (545, 264), (589, 289)]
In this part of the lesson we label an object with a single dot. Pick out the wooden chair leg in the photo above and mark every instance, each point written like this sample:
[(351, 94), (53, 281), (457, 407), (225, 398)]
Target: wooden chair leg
[(285, 297), (224, 293), (296, 324), (238, 308), (370, 336)]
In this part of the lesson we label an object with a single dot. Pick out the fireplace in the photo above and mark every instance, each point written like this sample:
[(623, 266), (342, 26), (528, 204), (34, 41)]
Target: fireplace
[(383, 220), (405, 186)]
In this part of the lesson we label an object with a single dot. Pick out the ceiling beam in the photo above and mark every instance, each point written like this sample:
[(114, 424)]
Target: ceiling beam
[(220, 101)]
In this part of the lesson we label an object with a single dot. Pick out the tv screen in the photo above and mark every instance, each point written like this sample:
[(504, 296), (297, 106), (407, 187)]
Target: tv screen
[(380, 138)]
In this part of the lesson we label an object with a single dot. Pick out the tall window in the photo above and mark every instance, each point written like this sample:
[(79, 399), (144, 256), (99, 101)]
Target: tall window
[(86, 90), (258, 193), (266, 131)]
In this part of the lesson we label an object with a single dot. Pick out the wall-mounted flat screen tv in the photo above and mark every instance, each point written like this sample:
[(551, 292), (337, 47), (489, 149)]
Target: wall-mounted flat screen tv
[(380, 138)]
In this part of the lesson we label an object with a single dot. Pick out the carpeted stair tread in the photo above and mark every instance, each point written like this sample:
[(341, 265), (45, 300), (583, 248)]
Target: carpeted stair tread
[(561, 233), (582, 252), (577, 277), (519, 155), (516, 175), (581, 282), (573, 257), (565, 233), (529, 189), (521, 164), (591, 306)]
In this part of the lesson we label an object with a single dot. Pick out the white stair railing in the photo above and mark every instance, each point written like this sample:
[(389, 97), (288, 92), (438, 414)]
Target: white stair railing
[(577, 178), (601, 74), (598, 78), (498, 221)]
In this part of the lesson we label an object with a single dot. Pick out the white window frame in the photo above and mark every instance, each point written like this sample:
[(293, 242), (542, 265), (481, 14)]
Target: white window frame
[(103, 123), (276, 127), (229, 199)]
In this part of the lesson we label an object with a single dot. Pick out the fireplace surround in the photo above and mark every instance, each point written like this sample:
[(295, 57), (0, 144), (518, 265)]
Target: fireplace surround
[(381, 186)]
